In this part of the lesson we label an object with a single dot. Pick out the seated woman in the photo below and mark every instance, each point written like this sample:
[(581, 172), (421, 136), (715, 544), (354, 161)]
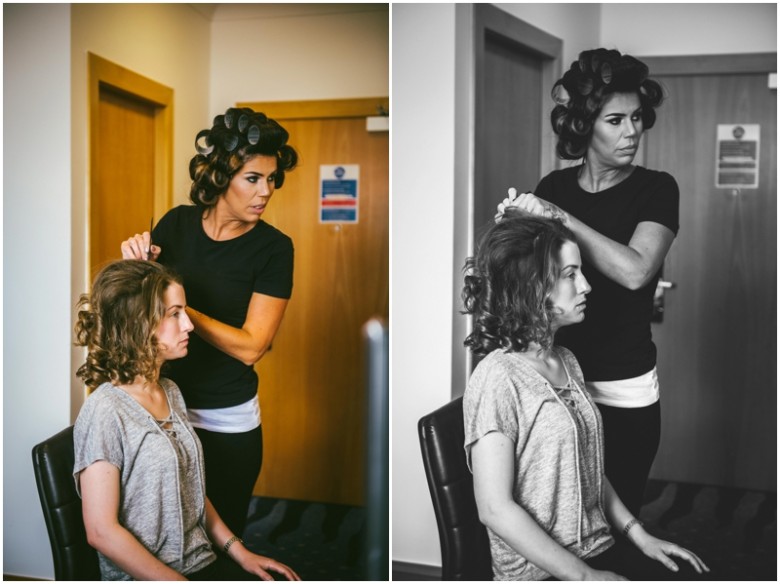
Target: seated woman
[(533, 437), (139, 464)]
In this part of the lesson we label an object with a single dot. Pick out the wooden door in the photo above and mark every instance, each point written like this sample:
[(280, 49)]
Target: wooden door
[(515, 64), (717, 344), (312, 385), (130, 156), (123, 203)]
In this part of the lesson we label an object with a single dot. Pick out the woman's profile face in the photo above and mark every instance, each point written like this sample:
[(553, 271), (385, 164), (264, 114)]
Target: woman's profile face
[(250, 189), (568, 295), (616, 131), (174, 329)]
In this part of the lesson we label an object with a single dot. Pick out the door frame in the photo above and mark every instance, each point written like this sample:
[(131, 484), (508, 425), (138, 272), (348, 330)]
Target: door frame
[(102, 73), (321, 108), (473, 22), (711, 64)]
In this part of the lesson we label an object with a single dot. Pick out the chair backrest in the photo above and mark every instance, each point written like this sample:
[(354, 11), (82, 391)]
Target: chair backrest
[(74, 558), (465, 549)]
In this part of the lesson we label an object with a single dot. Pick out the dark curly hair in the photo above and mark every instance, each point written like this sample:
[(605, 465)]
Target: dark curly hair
[(509, 281), (118, 319), (236, 137), (582, 91)]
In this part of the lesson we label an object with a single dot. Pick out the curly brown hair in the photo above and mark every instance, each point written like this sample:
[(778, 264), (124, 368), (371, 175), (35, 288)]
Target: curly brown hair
[(582, 91), (118, 319), (236, 137), (509, 281)]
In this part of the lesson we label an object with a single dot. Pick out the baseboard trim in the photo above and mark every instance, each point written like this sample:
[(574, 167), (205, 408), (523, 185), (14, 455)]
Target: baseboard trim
[(423, 571), (14, 578)]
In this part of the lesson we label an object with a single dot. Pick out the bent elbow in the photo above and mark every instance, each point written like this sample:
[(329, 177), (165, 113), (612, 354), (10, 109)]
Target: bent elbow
[(249, 358), (488, 513), (97, 536)]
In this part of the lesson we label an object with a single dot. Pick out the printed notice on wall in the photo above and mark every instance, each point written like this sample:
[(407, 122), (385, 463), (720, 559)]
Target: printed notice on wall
[(339, 193), (737, 163)]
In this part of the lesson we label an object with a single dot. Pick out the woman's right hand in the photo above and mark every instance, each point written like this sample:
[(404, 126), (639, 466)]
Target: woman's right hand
[(137, 248)]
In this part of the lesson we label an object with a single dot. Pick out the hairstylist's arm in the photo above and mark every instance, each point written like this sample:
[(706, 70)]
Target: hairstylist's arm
[(220, 534), (651, 546), (632, 266), (493, 464), (250, 342), (100, 508)]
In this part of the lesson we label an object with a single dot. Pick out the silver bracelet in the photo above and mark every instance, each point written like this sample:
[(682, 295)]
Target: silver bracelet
[(230, 542), (629, 525)]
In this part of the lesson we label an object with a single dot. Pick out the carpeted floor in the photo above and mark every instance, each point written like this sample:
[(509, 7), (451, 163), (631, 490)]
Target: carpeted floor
[(733, 530), (319, 541)]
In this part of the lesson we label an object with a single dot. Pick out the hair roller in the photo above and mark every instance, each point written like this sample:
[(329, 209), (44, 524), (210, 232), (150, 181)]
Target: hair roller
[(243, 121), (560, 95), (229, 142), (606, 73), (207, 147), (228, 119), (585, 86), (253, 135)]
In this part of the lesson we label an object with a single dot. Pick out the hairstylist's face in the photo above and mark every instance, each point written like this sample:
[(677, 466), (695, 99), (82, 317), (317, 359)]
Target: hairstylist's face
[(568, 295), (174, 329), (250, 189), (616, 131)]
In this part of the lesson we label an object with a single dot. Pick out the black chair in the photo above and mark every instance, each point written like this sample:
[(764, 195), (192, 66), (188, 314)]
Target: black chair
[(465, 549), (74, 558)]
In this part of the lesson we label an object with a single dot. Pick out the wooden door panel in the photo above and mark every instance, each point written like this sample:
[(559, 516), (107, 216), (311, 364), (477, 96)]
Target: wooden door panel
[(123, 203), (717, 343), (510, 121), (312, 389)]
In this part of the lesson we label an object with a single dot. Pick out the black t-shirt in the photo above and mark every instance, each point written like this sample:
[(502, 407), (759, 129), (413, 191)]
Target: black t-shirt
[(219, 280), (614, 341)]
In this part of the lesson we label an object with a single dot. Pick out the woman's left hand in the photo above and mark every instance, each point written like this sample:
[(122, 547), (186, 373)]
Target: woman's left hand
[(663, 551), (261, 565), (529, 203)]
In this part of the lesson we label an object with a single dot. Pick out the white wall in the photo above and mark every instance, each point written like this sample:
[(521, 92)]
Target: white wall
[(424, 43), (689, 29), (577, 25), (422, 234), (36, 258), (299, 52)]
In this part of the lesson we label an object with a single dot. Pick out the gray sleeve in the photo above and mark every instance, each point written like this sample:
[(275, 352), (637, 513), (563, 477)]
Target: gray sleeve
[(96, 436), (490, 404)]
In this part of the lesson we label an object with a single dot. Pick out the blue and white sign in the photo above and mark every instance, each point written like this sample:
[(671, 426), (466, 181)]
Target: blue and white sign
[(339, 193)]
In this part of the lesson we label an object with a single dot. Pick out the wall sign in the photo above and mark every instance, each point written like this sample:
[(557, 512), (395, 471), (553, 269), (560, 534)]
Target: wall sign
[(339, 193), (737, 155)]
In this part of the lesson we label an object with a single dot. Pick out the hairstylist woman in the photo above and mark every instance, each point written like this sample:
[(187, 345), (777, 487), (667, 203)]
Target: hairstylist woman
[(625, 218), (237, 270), (532, 434), (138, 462)]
